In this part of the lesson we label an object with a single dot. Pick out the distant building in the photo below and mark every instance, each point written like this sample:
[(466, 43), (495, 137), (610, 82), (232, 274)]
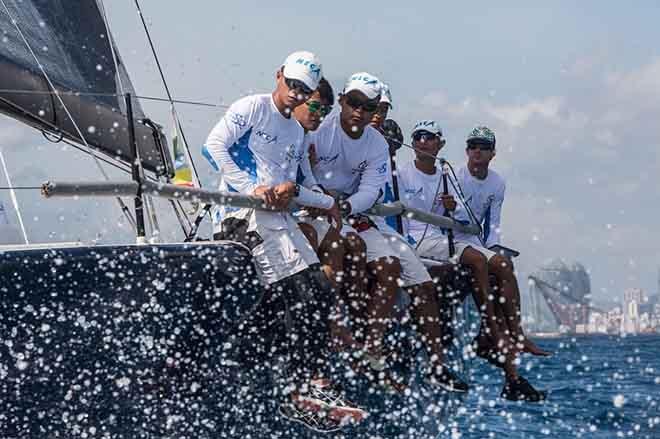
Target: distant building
[(634, 299)]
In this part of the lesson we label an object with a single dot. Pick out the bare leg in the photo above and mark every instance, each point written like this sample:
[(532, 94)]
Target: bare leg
[(355, 282), (509, 304), (426, 316), (489, 330), (380, 308)]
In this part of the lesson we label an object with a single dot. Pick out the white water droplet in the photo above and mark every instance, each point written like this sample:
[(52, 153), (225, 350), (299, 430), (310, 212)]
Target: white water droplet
[(618, 401)]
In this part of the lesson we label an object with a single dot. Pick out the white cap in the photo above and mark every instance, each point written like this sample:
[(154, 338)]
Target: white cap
[(427, 125), (386, 95), (303, 66), (365, 83)]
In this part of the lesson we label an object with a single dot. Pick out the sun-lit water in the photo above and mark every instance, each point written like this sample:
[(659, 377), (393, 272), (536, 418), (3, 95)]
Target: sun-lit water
[(600, 387)]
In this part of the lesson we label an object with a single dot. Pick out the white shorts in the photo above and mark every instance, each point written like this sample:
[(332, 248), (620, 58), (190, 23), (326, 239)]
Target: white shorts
[(381, 244), (436, 247), (284, 251)]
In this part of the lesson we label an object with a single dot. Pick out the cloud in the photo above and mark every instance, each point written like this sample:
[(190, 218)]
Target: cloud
[(516, 116), (575, 163)]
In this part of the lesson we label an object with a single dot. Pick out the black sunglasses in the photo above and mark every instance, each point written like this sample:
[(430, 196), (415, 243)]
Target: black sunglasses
[(480, 146), (315, 106), (355, 103), (297, 85), (425, 136)]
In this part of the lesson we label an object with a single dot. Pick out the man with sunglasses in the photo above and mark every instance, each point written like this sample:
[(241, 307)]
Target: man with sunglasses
[(353, 161), (257, 147), (500, 337), (384, 107)]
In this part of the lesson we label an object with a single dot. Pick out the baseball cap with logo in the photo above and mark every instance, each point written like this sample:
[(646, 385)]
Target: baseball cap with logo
[(427, 125), (386, 95), (481, 135), (303, 66), (365, 83)]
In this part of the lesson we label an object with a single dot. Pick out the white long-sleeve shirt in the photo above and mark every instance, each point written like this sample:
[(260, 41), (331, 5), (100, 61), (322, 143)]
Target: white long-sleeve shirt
[(253, 145), (356, 167), (422, 191), (485, 198)]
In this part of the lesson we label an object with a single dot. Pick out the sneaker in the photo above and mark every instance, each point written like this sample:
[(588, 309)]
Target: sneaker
[(447, 380), (322, 411), (521, 390), (330, 393), (310, 419)]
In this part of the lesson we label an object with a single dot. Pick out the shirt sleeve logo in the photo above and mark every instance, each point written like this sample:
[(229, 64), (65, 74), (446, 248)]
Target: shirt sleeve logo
[(237, 119)]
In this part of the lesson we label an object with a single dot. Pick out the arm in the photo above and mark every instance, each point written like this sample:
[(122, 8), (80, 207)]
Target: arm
[(233, 125), (372, 181), (493, 234)]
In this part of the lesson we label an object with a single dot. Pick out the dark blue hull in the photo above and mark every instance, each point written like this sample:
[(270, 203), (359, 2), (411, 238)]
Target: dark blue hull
[(132, 341)]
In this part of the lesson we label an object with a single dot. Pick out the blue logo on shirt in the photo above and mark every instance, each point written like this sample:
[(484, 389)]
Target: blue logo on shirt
[(415, 191), (361, 167), (267, 137), (328, 159), (291, 154), (381, 169)]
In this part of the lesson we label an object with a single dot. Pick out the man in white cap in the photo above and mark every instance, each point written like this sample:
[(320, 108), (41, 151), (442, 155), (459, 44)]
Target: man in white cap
[(384, 106), (422, 188), (257, 147), (353, 161)]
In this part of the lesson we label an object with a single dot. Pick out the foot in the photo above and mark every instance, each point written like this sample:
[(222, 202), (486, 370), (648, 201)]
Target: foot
[(520, 389), (376, 370), (444, 378), (531, 348), (485, 350), (342, 339)]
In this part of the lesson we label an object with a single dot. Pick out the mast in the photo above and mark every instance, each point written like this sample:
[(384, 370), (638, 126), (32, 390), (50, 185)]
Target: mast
[(135, 169)]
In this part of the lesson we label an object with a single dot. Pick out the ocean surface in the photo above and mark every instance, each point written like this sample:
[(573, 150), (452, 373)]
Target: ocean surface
[(600, 387)]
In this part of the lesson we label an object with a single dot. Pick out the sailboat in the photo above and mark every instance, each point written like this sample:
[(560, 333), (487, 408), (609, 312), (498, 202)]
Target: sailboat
[(131, 340)]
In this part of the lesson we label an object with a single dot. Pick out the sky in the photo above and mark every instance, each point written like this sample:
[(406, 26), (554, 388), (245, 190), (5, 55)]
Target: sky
[(571, 89)]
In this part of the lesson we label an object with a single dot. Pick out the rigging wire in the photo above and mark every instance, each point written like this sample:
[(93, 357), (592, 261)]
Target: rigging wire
[(167, 90), (13, 197), (61, 101)]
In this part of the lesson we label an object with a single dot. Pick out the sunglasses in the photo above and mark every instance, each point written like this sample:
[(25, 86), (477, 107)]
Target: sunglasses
[(317, 106), (297, 85), (356, 103), (480, 146), (425, 136)]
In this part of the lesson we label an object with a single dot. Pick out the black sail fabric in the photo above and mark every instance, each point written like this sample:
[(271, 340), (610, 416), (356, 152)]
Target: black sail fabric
[(69, 40)]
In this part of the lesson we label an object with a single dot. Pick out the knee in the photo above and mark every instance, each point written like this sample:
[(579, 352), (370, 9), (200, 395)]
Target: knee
[(501, 267), (475, 260), (333, 243), (386, 270), (355, 246)]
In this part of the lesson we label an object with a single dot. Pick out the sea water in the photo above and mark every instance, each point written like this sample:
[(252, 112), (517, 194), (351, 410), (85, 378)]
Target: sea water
[(599, 387)]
